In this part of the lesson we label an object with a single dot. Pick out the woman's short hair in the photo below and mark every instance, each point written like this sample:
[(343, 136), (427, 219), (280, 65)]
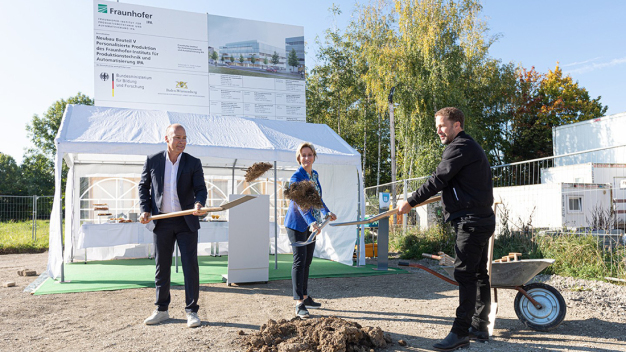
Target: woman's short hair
[(302, 146)]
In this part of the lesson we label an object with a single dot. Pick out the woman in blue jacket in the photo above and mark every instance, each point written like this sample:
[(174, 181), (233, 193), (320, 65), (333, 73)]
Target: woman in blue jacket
[(299, 225)]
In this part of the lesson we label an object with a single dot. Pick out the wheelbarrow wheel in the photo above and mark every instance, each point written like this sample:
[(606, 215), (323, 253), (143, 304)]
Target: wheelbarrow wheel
[(551, 313)]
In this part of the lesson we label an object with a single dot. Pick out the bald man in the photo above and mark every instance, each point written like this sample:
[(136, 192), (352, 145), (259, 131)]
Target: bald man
[(173, 180)]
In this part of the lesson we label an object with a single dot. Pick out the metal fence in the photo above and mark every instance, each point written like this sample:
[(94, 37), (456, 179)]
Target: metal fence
[(25, 209)]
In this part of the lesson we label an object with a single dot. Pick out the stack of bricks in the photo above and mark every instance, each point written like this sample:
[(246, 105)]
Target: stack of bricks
[(512, 257)]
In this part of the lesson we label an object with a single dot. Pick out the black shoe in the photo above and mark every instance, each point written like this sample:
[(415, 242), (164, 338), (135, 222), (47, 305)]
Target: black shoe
[(301, 311), (452, 342), (310, 304), (475, 334)]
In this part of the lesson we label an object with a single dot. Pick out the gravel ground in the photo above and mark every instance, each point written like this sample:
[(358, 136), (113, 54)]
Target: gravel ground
[(416, 308)]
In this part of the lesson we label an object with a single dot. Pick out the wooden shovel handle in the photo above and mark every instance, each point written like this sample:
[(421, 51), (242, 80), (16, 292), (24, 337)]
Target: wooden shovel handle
[(183, 213)]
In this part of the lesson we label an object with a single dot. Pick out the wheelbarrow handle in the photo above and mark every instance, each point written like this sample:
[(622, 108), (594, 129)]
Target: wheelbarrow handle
[(448, 280), (430, 256)]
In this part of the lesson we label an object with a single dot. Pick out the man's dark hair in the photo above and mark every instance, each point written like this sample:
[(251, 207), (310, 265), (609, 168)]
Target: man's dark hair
[(452, 114)]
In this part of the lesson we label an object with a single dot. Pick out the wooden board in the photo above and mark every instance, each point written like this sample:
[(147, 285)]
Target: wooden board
[(384, 214)]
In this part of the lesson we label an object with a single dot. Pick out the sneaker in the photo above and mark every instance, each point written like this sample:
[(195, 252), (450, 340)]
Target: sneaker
[(157, 317), (193, 320), (301, 311), (310, 304)]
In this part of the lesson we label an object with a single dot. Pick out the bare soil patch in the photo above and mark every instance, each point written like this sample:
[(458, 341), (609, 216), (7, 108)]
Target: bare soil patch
[(416, 308)]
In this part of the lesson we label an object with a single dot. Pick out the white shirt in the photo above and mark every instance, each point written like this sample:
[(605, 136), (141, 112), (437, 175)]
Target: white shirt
[(170, 200)]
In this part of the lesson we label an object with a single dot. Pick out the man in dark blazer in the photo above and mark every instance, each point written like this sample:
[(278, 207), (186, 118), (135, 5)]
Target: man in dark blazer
[(173, 181)]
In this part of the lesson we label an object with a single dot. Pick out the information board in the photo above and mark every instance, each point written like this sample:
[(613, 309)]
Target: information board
[(158, 59)]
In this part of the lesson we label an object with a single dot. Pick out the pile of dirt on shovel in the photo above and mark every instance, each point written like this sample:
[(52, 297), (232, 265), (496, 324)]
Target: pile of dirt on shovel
[(327, 334)]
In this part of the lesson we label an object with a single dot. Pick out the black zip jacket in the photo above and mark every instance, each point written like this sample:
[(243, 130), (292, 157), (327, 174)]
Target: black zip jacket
[(464, 177)]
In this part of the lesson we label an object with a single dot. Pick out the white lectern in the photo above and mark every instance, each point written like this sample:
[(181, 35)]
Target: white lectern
[(248, 241)]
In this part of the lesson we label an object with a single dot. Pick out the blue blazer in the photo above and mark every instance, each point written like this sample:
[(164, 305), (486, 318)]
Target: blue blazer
[(296, 218), (190, 185)]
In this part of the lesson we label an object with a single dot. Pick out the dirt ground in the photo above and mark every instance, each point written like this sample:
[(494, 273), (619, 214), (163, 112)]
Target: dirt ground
[(416, 308)]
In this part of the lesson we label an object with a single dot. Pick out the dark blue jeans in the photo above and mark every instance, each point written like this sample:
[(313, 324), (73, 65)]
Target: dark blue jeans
[(302, 257), (166, 233), (470, 271)]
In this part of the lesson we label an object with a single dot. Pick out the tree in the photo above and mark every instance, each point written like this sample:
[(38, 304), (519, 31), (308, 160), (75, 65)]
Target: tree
[(222, 59), (541, 103), (10, 176), (42, 131), (266, 61), (37, 174), (232, 59), (436, 54), (293, 58), (252, 59), (241, 59), (336, 96), (214, 56), (275, 58)]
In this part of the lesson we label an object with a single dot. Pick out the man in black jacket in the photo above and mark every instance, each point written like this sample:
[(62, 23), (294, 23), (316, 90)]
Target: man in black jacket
[(173, 181), (464, 178)]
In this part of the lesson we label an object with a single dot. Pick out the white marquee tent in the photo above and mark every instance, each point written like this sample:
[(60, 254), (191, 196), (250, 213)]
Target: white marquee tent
[(114, 140)]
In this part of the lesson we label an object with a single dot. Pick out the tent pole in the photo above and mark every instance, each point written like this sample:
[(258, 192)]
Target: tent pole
[(62, 249), (233, 185), (275, 216)]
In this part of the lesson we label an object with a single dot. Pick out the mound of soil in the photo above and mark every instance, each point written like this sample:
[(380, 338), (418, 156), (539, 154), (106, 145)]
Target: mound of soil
[(326, 334)]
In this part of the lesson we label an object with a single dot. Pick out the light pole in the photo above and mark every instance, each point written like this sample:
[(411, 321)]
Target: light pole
[(392, 132)]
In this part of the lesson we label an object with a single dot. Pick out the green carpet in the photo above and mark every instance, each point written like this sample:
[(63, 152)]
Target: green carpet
[(136, 273)]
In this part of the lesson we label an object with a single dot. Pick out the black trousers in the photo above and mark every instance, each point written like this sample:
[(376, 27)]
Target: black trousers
[(302, 257), (470, 271), (166, 233)]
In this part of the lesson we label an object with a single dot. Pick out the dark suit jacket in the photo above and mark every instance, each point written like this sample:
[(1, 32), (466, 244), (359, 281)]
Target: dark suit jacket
[(189, 184)]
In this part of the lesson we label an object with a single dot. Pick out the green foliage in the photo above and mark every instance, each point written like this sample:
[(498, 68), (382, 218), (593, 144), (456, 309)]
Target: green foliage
[(37, 174), (275, 58), (38, 165), (582, 256), (516, 242), (540, 103), (292, 59), (16, 237), (253, 59), (214, 55), (337, 97), (10, 176), (414, 242), (241, 59), (436, 54), (42, 130)]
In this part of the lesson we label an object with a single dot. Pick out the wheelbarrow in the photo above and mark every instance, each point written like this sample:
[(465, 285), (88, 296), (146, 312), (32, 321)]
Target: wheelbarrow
[(538, 306)]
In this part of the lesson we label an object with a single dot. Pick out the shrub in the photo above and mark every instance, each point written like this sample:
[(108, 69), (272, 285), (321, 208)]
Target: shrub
[(414, 242)]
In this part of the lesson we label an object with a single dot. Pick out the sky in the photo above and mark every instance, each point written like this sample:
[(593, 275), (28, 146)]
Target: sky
[(47, 46)]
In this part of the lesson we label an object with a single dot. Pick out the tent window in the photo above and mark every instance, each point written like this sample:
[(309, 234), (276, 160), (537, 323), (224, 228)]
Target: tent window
[(102, 198)]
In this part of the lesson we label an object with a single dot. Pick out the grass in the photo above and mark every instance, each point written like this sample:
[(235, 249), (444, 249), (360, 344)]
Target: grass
[(16, 237), (579, 256), (582, 256)]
